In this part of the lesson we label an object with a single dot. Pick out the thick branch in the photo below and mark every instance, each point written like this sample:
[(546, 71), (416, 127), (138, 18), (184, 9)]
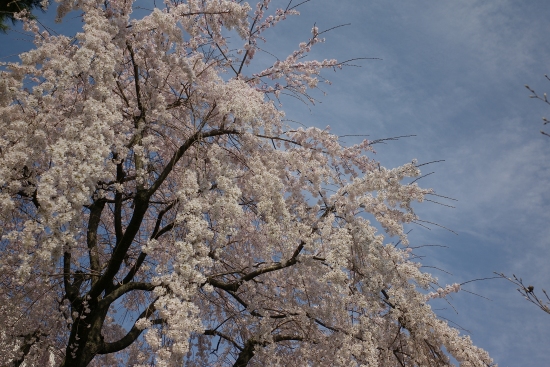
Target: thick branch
[(125, 288), (246, 354), (160, 216), (135, 268), (156, 233), (118, 203), (138, 120), (132, 335), (141, 204), (93, 224), (182, 149), (164, 230), (282, 338), (31, 196), (70, 290), (136, 77), (222, 335)]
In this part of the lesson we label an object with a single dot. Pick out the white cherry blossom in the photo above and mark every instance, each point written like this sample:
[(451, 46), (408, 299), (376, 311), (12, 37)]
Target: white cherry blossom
[(155, 208)]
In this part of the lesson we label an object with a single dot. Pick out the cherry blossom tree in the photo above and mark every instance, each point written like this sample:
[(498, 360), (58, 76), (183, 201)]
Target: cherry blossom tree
[(156, 208)]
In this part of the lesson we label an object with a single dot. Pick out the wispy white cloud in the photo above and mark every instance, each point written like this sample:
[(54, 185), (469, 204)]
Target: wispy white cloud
[(453, 73)]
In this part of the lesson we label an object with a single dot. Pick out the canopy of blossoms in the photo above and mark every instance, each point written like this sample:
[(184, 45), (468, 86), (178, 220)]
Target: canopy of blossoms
[(156, 208)]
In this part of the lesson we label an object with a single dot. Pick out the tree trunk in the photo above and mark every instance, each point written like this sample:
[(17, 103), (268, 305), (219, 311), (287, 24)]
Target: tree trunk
[(86, 340)]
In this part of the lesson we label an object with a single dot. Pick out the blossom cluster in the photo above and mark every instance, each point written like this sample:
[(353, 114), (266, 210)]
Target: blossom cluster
[(443, 292)]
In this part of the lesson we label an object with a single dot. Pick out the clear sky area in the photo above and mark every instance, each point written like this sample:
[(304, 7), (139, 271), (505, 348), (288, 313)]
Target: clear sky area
[(452, 73)]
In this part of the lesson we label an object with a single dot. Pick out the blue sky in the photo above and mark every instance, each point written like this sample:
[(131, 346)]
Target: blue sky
[(453, 74)]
